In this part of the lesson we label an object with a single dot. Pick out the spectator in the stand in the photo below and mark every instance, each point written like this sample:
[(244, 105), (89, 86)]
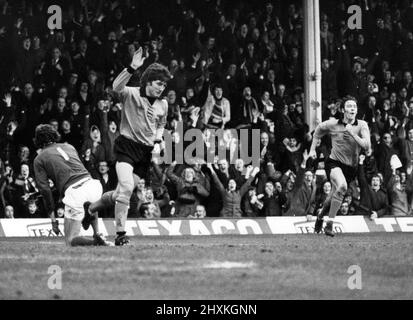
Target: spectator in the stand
[(95, 144), (251, 205), (327, 42), (373, 199), (190, 191), (303, 194), (267, 150), (67, 135), (321, 196), (25, 62), (199, 212), (293, 154), (9, 212), (25, 188), (267, 106), (383, 153), (231, 196), (333, 109), (60, 113), (217, 109), (273, 201), (248, 113), (328, 80), (400, 194), (344, 209), (84, 97), (56, 68), (270, 86)]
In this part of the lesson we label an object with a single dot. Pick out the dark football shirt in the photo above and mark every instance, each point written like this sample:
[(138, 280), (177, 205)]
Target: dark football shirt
[(60, 163)]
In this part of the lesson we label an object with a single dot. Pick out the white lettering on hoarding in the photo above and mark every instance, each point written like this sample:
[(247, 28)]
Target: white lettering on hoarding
[(198, 228), (386, 223), (244, 224), (173, 227), (219, 226), (149, 227), (405, 224)]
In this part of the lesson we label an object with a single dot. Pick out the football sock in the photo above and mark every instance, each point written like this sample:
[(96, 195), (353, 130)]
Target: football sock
[(95, 223), (121, 214), (336, 201)]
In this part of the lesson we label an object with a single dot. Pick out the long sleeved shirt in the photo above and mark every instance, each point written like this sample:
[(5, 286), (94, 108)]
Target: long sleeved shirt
[(370, 199), (60, 163), (273, 204), (231, 199), (399, 197), (190, 194), (303, 196), (141, 121)]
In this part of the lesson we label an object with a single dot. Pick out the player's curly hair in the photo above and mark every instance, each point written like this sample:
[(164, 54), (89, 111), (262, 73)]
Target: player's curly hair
[(154, 72), (348, 98), (44, 135)]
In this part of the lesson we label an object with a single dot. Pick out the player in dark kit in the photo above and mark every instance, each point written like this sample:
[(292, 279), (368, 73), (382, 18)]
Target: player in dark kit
[(60, 163), (143, 120)]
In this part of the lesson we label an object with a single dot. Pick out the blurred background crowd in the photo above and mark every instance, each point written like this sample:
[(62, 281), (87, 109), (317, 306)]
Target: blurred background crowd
[(235, 65)]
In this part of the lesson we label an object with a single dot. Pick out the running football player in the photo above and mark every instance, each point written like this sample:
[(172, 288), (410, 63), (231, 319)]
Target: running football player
[(349, 136)]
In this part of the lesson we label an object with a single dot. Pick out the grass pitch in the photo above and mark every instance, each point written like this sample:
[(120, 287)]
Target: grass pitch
[(213, 267)]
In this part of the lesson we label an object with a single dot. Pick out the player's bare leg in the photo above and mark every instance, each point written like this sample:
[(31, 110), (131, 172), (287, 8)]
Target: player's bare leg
[(72, 231), (124, 192), (340, 188), (333, 201), (107, 200)]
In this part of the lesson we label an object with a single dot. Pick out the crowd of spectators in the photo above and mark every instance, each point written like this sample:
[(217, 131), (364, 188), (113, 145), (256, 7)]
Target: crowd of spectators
[(234, 64)]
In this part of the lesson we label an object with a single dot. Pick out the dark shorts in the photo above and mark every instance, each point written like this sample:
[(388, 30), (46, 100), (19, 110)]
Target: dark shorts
[(349, 173), (137, 155)]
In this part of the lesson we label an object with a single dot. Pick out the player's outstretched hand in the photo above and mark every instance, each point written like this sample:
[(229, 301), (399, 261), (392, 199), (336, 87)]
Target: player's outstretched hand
[(138, 59), (55, 227), (362, 157)]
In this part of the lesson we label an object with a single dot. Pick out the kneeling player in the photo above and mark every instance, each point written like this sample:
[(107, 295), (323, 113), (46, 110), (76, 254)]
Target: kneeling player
[(60, 163)]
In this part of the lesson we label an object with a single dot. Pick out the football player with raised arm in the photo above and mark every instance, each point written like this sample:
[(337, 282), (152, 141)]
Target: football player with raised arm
[(142, 124)]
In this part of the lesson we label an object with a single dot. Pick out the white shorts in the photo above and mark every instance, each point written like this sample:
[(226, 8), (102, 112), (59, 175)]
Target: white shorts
[(77, 194)]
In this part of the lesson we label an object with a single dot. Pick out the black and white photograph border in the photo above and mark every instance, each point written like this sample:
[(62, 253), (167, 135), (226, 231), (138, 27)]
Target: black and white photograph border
[(206, 156)]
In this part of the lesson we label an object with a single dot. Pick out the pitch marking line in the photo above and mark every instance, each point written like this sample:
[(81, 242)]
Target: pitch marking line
[(229, 265)]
